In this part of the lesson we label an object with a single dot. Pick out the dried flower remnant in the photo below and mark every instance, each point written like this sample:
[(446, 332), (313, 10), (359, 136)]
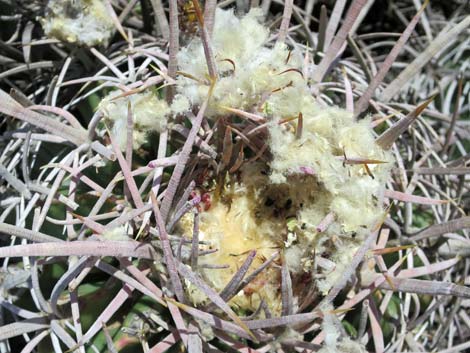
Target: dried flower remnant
[(82, 22), (309, 199)]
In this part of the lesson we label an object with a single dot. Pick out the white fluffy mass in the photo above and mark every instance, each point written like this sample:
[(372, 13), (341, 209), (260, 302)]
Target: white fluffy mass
[(149, 112), (247, 69), (82, 22)]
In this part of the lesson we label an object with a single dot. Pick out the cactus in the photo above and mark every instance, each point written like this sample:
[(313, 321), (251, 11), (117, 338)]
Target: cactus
[(179, 176)]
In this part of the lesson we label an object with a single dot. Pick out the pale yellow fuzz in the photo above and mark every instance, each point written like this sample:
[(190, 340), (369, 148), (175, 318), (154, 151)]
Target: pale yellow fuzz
[(235, 229), (116, 234), (309, 177), (83, 22), (180, 104), (333, 342), (247, 69), (328, 137), (149, 113)]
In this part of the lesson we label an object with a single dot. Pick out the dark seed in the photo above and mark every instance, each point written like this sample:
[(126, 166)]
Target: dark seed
[(288, 204), (269, 202)]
